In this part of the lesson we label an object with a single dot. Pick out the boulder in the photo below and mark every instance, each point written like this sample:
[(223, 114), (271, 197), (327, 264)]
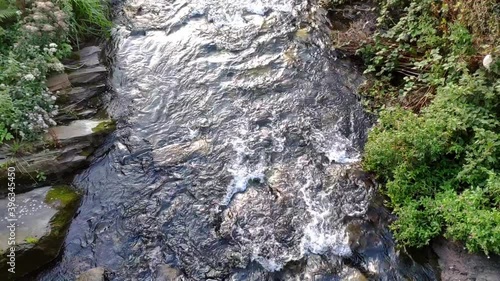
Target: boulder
[(43, 217)]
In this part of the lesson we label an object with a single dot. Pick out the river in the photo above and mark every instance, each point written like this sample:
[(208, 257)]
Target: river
[(236, 153)]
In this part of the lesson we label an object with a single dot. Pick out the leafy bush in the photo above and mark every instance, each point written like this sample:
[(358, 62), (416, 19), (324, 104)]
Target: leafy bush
[(437, 144), (31, 48)]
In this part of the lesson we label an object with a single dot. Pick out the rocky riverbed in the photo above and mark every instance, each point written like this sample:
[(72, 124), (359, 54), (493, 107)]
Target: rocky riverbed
[(236, 155)]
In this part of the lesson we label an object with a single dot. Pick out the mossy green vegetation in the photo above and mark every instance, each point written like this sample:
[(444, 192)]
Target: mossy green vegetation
[(436, 147), (31, 240), (105, 127), (62, 194), (34, 39)]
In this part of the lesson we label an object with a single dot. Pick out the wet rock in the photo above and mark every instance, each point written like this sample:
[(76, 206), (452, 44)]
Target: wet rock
[(58, 82), (70, 147), (43, 217), (88, 75), (458, 264), (76, 130), (166, 272), (180, 152), (352, 274), (138, 32), (94, 274)]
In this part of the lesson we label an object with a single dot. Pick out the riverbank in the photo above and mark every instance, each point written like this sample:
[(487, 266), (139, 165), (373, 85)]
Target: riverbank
[(53, 88), (434, 74)]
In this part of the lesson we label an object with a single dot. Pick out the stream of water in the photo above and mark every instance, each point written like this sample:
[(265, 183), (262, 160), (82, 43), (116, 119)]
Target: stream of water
[(236, 153)]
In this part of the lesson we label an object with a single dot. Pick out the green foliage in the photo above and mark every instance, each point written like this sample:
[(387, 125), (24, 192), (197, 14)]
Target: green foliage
[(41, 176), (31, 48), (91, 18), (437, 144), (31, 240), (8, 12)]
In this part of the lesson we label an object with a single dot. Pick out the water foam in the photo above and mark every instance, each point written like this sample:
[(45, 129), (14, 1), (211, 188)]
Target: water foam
[(320, 236), (242, 173)]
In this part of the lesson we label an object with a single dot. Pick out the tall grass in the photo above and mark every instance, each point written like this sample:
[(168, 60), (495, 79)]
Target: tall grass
[(90, 19)]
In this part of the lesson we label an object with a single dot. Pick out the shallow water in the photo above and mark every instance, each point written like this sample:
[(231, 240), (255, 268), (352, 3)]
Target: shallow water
[(236, 153)]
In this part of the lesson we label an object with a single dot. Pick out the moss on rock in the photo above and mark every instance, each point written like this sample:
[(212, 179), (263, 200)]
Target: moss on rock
[(104, 127)]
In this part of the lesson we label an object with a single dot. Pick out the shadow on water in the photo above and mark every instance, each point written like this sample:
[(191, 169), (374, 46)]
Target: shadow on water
[(236, 153)]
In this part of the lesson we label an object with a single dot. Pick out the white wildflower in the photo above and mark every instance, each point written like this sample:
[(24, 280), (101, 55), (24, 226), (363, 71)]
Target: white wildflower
[(487, 61), (31, 28), (53, 98), (52, 45), (29, 77), (59, 67), (48, 28)]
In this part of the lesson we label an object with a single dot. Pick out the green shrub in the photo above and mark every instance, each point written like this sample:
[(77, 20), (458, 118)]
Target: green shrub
[(31, 48), (436, 147)]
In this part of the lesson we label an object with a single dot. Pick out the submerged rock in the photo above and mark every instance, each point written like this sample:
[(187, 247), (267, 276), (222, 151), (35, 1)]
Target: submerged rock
[(177, 153), (166, 272), (94, 274), (43, 217), (353, 275)]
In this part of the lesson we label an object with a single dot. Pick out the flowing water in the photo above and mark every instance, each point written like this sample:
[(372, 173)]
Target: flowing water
[(236, 153)]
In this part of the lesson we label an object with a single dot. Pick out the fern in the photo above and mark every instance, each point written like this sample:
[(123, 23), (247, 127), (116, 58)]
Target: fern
[(7, 15), (7, 12)]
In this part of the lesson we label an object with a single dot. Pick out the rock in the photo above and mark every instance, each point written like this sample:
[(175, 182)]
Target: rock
[(76, 129), (458, 264), (138, 32), (94, 274), (80, 94), (166, 272), (88, 75), (58, 82), (352, 274), (177, 153), (89, 56), (43, 217), (70, 146)]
